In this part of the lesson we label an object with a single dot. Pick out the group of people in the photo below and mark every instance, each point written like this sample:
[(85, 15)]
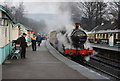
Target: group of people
[(23, 44), (36, 39)]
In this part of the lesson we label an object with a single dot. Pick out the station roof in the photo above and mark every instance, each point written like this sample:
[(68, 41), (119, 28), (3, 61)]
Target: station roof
[(19, 24), (7, 12), (108, 26)]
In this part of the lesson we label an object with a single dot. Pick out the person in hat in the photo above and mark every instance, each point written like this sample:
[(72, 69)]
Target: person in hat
[(23, 45), (34, 42)]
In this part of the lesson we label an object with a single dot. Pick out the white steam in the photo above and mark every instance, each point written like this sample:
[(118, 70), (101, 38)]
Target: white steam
[(62, 20)]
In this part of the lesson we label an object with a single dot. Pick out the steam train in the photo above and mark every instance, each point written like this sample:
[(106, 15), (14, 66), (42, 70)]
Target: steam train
[(72, 44), (106, 37)]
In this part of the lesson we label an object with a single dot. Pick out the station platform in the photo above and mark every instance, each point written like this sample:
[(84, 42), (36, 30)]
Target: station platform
[(44, 64), (102, 46)]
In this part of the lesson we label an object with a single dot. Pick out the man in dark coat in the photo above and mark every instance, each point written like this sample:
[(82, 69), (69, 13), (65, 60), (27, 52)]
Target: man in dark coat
[(39, 39), (23, 45)]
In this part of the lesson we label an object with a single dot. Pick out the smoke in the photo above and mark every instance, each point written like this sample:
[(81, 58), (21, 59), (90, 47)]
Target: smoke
[(50, 16), (62, 20)]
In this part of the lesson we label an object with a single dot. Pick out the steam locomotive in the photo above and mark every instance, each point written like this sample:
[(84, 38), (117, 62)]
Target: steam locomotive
[(72, 44)]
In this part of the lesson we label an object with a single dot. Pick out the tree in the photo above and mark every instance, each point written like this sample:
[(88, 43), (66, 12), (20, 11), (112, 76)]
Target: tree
[(115, 11), (76, 13), (92, 13), (19, 13)]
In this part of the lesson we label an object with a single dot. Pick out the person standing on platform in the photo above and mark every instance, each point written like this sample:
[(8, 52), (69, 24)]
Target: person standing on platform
[(34, 42), (23, 45), (39, 39)]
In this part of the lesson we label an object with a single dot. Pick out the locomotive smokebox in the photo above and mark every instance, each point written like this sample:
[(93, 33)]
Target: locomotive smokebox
[(78, 38)]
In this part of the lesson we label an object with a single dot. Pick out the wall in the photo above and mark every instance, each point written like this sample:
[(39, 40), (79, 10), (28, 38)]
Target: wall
[(4, 52), (15, 33), (5, 38)]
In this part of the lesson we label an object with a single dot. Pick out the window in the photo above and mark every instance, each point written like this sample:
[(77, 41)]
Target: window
[(116, 35), (105, 36), (98, 36), (101, 36), (6, 23), (113, 35), (5, 32), (3, 22), (0, 22), (108, 36)]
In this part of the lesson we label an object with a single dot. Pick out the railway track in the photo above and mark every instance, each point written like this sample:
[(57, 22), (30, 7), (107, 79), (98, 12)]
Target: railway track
[(116, 60), (105, 66), (109, 62)]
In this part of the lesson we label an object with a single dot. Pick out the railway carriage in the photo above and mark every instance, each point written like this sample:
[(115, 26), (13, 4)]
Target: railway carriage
[(53, 38), (109, 36)]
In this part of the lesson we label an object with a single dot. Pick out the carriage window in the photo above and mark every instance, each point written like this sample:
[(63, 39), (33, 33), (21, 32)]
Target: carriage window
[(108, 35), (116, 35), (96, 36), (113, 35), (105, 36), (102, 36), (99, 35), (93, 36)]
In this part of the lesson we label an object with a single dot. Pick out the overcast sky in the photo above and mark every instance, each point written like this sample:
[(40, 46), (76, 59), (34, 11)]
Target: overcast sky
[(35, 6), (42, 6)]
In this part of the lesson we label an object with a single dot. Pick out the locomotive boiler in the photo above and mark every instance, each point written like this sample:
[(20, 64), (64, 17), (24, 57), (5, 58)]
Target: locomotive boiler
[(72, 44)]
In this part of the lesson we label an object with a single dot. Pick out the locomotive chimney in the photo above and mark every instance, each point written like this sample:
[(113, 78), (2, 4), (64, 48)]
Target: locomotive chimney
[(77, 25)]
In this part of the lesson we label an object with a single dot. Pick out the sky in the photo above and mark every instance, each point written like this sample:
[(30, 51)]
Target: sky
[(57, 0), (42, 6), (35, 6), (42, 10)]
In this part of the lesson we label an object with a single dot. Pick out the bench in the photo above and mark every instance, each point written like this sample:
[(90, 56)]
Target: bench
[(16, 54)]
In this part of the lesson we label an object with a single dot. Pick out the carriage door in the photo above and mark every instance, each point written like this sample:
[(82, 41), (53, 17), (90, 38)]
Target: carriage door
[(111, 40)]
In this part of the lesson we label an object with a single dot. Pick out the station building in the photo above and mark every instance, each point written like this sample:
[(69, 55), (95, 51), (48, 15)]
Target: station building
[(7, 33)]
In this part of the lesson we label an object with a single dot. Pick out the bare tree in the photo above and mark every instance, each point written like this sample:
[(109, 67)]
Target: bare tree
[(118, 5), (92, 13), (19, 13), (115, 11), (76, 12)]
